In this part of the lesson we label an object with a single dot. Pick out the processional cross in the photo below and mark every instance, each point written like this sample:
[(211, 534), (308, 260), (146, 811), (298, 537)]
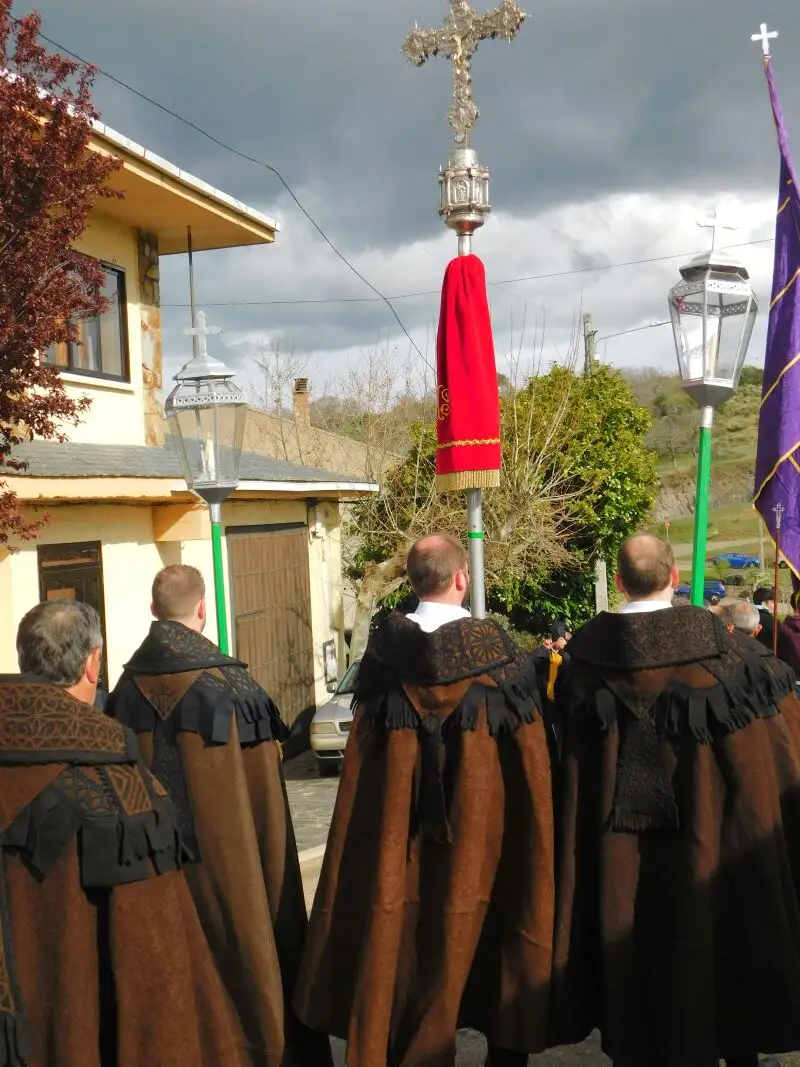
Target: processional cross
[(764, 36), (458, 41), (715, 222), (200, 332)]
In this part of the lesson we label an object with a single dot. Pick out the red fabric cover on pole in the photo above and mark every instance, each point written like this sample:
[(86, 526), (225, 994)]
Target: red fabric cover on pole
[(469, 454)]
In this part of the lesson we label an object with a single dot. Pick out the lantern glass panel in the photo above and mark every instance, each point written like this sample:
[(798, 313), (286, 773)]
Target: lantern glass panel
[(207, 421), (712, 323)]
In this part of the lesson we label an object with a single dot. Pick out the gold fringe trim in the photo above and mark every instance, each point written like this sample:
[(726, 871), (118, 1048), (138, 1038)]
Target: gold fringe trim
[(453, 483), (468, 444)]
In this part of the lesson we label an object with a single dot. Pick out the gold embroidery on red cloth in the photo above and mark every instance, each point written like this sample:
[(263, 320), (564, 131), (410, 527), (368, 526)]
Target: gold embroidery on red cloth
[(468, 444), (444, 402)]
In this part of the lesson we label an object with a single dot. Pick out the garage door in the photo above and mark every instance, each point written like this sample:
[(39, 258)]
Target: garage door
[(272, 613)]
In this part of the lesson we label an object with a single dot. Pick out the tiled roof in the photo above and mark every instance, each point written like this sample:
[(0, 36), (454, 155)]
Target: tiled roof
[(73, 459)]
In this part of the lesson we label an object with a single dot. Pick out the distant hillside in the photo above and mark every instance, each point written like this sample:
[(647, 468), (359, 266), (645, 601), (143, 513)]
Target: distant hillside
[(674, 437)]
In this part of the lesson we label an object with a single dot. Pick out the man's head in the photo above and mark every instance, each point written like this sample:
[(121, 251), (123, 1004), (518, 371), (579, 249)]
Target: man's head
[(646, 569), (179, 595), (61, 641), (681, 600), (742, 615), (765, 598), (438, 569), (559, 635)]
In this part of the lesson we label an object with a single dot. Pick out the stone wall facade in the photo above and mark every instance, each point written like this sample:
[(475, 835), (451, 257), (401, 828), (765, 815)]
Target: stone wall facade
[(152, 345)]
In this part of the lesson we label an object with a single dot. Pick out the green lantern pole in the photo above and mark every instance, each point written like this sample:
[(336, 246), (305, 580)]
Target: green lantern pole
[(219, 578), (701, 506)]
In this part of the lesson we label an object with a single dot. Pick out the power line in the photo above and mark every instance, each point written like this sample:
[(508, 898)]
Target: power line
[(250, 159), (379, 296), (634, 329), (506, 281)]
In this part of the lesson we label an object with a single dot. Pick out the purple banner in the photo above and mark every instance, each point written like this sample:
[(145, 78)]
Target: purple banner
[(777, 482)]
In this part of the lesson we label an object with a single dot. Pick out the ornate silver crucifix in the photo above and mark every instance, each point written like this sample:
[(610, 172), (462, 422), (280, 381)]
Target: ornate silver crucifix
[(458, 41)]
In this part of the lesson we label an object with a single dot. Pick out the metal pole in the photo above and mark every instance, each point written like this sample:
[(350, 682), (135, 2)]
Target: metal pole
[(477, 576), (477, 571), (219, 578), (778, 509), (701, 506), (192, 304)]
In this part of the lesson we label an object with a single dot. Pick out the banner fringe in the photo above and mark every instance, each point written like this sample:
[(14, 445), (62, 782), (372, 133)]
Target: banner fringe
[(460, 480)]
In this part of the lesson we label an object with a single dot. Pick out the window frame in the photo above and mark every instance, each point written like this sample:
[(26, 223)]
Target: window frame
[(101, 375)]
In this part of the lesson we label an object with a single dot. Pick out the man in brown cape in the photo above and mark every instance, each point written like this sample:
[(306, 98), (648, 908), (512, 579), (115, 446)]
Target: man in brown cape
[(435, 905), (211, 735), (103, 962), (678, 923)]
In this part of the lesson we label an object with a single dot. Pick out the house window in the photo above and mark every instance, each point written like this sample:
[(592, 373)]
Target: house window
[(103, 351)]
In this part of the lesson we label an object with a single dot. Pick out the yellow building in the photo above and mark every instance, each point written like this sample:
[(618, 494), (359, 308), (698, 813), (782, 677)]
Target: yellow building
[(118, 507)]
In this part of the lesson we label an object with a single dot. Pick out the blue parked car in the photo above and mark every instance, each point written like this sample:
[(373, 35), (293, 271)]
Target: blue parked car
[(737, 561), (713, 590)]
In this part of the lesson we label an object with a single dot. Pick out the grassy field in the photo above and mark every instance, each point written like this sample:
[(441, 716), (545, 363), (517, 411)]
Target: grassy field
[(736, 526)]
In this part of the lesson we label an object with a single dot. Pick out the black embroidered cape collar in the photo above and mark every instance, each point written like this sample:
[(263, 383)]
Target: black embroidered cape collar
[(42, 723), (465, 648), (172, 648), (650, 640)]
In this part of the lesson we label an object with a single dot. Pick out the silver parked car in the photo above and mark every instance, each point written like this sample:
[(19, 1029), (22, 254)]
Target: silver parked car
[(330, 726)]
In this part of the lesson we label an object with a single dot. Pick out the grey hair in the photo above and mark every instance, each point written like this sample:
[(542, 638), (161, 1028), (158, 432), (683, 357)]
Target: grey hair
[(743, 615), (680, 600), (55, 639)]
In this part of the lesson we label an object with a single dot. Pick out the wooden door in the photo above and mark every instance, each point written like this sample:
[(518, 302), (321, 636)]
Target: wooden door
[(272, 613), (75, 572)]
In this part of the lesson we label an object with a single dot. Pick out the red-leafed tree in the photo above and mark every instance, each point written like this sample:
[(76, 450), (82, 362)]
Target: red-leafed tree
[(49, 180)]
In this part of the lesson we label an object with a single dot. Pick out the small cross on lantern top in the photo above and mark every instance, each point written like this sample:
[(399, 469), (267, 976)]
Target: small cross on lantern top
[(716, 222), (201, 331), (458, 41), (764, 36)]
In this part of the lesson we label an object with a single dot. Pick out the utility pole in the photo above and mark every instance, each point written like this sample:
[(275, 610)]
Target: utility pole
[(589, 360), (589, 344)]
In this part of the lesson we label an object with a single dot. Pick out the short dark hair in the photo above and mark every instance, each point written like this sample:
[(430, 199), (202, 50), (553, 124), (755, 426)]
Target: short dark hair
[(55, 639), (177, 590), (645, 565), (433, 563), (762, 595)]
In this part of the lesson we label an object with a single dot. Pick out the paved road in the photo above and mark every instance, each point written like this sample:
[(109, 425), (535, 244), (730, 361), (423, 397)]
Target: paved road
[(472, 1053), (311, 801)]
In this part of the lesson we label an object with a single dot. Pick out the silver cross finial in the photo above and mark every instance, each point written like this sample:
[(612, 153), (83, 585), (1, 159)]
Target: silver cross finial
[(779, 510), (765, 36), (201, 331), (716, 222), (458, 41)]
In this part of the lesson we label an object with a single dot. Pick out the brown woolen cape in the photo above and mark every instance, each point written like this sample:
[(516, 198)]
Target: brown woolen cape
[(103, 962), (435, 904), (678, 915), (209, 733)]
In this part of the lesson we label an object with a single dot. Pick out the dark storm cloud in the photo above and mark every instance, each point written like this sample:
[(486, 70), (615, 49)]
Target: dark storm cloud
[(592, 98), (595, 98)]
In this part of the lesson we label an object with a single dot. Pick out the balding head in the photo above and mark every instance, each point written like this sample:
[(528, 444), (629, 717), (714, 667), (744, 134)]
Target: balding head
[(646, 569), (438, 569), (742, 615)]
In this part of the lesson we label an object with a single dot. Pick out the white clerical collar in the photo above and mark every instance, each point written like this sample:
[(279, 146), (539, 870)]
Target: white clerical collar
[(429, 615), (643, 607)]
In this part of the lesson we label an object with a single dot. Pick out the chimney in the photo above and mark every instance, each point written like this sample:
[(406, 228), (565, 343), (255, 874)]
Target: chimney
[(301, 403)]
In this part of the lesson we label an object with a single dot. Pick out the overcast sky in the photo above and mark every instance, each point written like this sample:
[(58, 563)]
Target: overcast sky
[(609, 127)]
